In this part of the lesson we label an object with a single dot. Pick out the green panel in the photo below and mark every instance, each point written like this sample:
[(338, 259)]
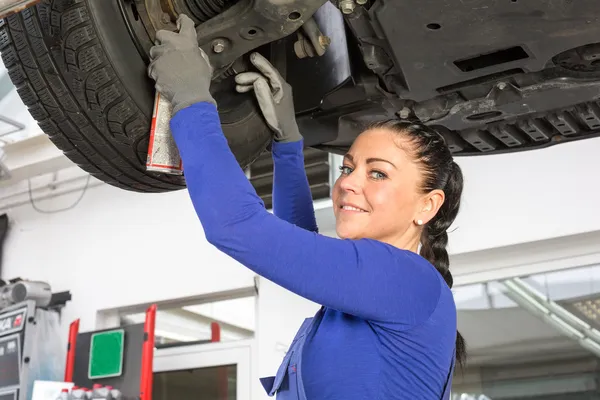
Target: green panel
[(106, 354)]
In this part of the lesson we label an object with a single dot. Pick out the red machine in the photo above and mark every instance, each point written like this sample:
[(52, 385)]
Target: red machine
[(118, 358)]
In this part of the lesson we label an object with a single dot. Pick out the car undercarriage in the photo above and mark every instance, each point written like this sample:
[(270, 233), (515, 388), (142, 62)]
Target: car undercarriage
[(493, 76)]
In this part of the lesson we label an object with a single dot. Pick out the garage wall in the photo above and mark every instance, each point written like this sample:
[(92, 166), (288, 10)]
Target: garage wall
[(280, 314), (528, 196), (118, 248)]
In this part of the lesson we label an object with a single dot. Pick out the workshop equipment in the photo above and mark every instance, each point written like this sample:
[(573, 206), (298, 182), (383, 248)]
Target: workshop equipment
[(115, 363), (30, 337), (163, 155), (18, 291)]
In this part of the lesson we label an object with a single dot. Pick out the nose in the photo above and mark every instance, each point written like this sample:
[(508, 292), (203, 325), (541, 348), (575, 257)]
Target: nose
[(351, 183)]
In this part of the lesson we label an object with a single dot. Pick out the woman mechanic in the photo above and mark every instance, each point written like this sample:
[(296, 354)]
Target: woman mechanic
[(387, 326)]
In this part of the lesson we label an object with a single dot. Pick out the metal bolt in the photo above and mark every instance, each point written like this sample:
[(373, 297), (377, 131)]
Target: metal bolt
[(218, 46), (347, 6), (303, 49), (166, 18), (361, 2), (404, 113), (501, 86), (324, 41)]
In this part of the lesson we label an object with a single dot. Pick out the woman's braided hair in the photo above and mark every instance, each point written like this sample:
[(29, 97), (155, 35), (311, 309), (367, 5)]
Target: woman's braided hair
[(439, 172)]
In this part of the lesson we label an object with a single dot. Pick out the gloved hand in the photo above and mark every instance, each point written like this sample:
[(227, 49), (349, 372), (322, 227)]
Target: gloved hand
[(274, 97), (181, 69)]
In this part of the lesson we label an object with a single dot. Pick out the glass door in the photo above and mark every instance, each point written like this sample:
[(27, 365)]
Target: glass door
[(213, 371)]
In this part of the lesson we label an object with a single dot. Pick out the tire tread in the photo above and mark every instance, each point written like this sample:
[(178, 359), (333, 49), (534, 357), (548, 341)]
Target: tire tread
[(65, 76), (84, 110)]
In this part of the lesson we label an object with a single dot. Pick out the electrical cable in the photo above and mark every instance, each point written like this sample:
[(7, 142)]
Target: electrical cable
[(72, 206)]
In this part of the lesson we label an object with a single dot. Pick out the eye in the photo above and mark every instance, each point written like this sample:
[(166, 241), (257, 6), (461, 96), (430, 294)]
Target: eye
[(345, 170), (378, 175)]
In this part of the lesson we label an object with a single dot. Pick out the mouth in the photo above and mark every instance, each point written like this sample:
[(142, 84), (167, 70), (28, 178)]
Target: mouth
[(351, 208)]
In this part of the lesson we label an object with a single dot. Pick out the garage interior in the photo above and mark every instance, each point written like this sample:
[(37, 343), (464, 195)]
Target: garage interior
[(525, 254)]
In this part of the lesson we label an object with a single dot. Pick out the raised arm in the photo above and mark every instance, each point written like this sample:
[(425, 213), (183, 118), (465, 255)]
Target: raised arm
[(292, 198), (365, 278)]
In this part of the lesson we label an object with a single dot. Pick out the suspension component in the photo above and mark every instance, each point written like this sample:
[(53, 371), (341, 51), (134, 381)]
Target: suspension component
[(347, 6), (204, 10), (311, 41)]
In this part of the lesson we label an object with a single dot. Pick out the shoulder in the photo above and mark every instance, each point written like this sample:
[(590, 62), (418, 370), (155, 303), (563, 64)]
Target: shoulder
[(416, 284), (404, 264)]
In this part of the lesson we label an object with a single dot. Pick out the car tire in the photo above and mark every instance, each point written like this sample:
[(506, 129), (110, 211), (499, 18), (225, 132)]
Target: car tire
[(77, 69)]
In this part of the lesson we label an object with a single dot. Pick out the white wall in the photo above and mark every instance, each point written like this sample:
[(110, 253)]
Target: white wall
[(528, 196), (280, 314), (118, 248)]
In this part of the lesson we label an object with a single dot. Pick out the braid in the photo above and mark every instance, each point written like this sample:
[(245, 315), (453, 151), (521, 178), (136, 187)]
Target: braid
[(439, 171), (435, 237), (433, 249), (434, 240)]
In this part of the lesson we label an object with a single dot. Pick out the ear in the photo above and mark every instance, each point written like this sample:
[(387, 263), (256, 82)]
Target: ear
[(430, 205)]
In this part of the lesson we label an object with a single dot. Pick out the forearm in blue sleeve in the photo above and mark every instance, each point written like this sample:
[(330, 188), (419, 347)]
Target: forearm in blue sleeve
[(366, 278), (292, 198)]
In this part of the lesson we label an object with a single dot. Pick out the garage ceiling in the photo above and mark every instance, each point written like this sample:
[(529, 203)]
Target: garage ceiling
[(498, 331)]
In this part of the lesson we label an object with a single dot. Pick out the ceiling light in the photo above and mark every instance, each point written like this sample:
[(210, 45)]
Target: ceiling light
[(551, 312), (586, 308)]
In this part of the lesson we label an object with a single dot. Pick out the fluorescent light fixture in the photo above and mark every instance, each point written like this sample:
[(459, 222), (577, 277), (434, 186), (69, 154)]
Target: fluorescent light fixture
[(526, 296), (588, 308), (557, 309), (590, 345), (552, 313), (565, 327)]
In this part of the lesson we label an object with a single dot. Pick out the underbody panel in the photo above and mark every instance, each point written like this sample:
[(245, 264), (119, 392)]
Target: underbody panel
[(436, 44), (494, 76)]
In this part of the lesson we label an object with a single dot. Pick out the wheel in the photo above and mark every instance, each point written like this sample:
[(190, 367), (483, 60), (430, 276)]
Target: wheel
[(77, 69)]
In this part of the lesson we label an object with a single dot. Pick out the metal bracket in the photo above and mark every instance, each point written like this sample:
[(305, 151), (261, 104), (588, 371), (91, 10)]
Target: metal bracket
[(250, 24)]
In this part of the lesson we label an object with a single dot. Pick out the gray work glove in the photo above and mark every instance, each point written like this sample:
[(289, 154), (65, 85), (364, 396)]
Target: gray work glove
[(181, 69), (274, 97)]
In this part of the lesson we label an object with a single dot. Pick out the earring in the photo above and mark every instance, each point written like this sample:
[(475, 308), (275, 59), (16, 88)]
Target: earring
[(419, 222)]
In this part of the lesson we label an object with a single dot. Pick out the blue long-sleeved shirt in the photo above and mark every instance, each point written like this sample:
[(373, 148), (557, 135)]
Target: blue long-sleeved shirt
[(389, 327)]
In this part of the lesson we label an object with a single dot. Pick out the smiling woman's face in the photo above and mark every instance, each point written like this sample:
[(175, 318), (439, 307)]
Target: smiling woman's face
[(377, 194)]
